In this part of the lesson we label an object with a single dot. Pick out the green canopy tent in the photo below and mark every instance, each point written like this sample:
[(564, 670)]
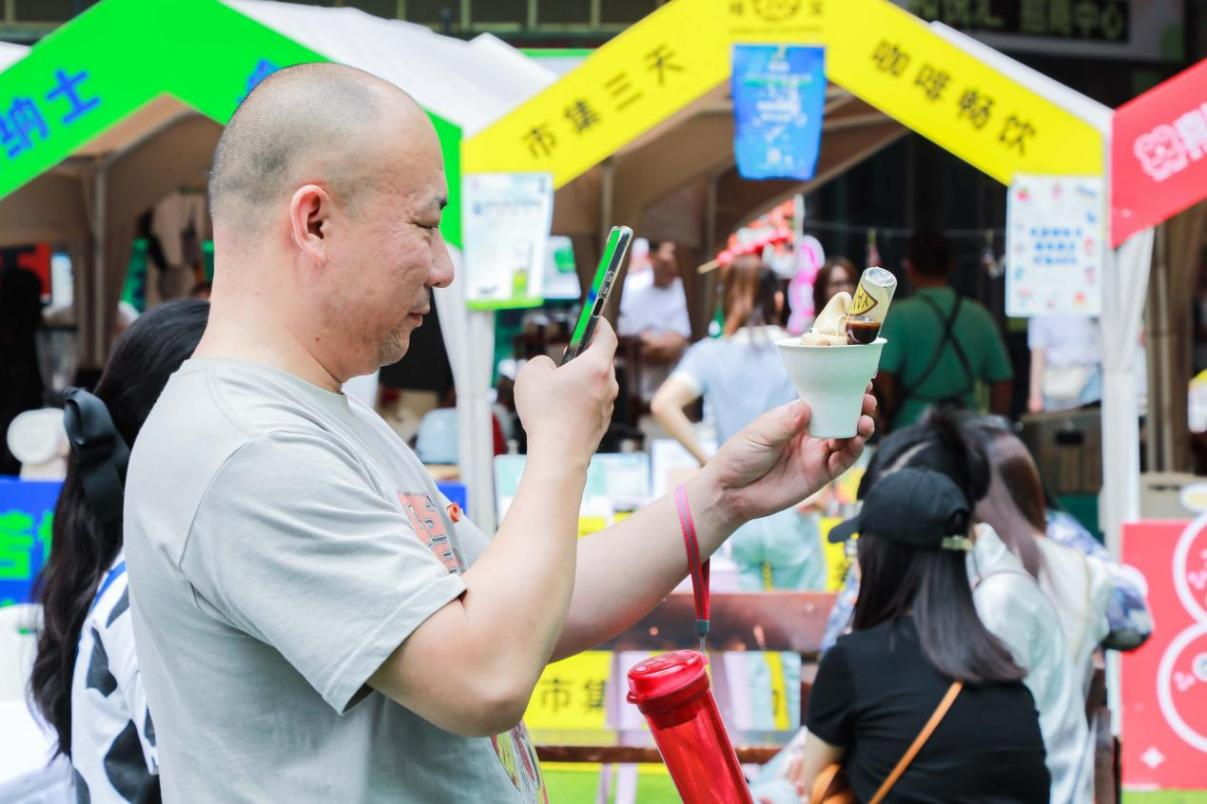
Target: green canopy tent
[(123, 105)]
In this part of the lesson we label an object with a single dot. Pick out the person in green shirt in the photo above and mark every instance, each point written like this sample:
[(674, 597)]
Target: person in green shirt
[(941, 347)]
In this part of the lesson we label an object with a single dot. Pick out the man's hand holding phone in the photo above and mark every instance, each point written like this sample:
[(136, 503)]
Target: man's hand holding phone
[(566, 409)]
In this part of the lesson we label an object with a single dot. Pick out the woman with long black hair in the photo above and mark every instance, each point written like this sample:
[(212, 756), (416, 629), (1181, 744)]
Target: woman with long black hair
[(85, 677), (920, 700)]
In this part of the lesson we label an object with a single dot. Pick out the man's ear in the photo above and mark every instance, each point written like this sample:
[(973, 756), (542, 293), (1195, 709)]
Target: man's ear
[(309, 220)]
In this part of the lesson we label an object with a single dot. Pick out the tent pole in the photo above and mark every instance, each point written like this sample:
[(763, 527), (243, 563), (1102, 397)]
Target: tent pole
[(1160, 391), (710, 216), (607, 184), (96, 356), (1153, 368)]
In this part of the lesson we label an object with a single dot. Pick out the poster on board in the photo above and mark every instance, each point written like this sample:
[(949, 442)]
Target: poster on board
[(1164, 682), (779, 94), (505, 226), (1055, 233), (561, 272)]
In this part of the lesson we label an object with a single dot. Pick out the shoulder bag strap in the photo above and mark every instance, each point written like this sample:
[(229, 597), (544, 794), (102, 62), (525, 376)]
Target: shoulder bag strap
[(935, 719), (947, 337)]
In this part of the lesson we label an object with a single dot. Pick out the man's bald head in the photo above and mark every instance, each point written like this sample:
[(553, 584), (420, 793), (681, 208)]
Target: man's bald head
[(326, 195), (308, 123)]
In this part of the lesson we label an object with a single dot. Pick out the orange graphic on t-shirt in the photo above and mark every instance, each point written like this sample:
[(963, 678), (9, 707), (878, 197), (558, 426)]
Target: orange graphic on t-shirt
[(519, 760), (429, 527)]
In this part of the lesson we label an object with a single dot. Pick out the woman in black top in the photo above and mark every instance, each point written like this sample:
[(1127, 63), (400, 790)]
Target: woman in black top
[(916, 630)]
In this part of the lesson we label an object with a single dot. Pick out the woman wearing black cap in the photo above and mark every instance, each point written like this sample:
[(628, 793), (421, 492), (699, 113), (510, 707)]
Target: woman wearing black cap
[(920, 702), (1010, 603)]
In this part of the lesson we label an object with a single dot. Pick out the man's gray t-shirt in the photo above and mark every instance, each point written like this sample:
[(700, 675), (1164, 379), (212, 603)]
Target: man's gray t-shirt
[(282, 541)]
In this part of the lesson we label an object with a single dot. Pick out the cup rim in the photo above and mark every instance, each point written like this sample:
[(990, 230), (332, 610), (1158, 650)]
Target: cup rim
[(794, 343)]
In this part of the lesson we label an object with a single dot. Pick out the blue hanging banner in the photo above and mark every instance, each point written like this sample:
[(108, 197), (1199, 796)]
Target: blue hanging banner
[(779, 95)]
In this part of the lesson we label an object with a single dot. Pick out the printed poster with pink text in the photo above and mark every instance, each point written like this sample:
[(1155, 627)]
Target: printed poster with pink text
[(1055, 233)]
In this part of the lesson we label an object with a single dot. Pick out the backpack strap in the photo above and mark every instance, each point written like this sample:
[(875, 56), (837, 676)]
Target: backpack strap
[(935, 719), (948, 337)]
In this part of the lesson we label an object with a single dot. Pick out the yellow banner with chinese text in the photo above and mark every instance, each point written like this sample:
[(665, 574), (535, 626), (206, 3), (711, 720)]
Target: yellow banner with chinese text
[(625, 88), (571, 694), (897, 63), (875, 50)]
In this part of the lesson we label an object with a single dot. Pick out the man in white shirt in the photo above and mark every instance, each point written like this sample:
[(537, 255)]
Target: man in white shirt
[(656, 311), (1066, 362)]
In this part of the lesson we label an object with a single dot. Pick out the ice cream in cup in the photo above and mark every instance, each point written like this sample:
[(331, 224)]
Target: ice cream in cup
[(831, 364)]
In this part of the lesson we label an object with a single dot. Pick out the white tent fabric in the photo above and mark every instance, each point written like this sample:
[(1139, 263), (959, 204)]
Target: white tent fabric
[(1124, 290), (10, 53), (467, 83), (470, 84)]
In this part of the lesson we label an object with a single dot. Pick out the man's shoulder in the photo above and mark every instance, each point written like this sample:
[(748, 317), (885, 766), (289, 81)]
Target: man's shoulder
[(913, 306), (973, 310), (906, 316), (640, 295), (204, 416)]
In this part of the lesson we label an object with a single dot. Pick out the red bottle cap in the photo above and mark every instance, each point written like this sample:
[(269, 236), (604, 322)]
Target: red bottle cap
[(668, 680)]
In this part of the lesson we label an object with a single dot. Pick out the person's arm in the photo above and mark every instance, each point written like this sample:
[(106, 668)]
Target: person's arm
[(888, 392), (887, 381), (998, 371), (813, 758), (471, 667), (662, 348), (1001, 394), (626, 570), (1035, 399), (667, 406), (832, 720)]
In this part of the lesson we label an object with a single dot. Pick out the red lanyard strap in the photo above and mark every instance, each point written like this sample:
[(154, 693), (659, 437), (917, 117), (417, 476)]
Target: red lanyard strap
[(698, 569)]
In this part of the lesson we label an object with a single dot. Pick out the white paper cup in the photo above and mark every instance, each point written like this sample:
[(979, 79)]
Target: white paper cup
[(832, 379)]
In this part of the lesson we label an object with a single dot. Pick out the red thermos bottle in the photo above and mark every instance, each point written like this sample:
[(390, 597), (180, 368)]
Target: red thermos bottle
[(672, 692)]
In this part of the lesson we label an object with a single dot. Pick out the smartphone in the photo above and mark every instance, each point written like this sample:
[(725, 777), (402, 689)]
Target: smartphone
[(609, 265)]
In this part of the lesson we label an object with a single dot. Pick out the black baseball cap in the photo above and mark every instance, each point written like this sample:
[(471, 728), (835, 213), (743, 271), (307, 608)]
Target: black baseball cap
[(912, 506)]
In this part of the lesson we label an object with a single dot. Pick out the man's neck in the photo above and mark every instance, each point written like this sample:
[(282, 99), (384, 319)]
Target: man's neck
[(926, 283), (237, 331)]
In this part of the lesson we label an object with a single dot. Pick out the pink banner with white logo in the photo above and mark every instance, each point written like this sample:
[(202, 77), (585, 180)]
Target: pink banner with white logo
[(1164, 686), (1159, 153)]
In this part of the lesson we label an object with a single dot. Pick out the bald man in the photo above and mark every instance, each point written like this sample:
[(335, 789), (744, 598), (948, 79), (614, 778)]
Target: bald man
[(314, 621)]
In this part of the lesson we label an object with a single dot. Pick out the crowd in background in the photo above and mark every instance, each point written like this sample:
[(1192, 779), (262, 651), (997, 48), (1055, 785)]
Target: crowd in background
[(1020, 612), (1004, 593)]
